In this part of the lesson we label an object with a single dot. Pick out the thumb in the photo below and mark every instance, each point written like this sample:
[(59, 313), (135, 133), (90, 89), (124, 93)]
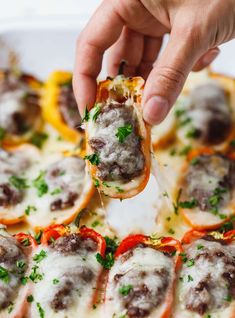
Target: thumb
[(167, 78)]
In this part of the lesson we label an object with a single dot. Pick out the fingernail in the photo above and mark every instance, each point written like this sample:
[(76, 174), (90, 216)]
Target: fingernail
[(210, 56), (155, 110)]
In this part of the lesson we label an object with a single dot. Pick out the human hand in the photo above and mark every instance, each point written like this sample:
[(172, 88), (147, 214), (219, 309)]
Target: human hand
[(134, 31)]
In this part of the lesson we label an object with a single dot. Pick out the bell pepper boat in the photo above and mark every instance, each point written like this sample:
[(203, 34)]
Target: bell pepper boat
[(14, 265), (118, 139), (207, 188), (202, 115), (60, 108), (206, 280), (20, 110), (61, 188), (14, 162), (141, 282), (66, 272)]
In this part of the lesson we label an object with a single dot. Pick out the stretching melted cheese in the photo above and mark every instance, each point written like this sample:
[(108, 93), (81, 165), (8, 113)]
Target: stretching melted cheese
[(69, 278)]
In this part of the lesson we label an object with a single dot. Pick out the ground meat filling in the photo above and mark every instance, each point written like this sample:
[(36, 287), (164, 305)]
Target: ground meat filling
[(68, 107), (208, 276), (118, 160), (65, 180), (146, 286), (10, 255), (77, 278), (19, 105), (211, 175), (11, 165), (210, 113)]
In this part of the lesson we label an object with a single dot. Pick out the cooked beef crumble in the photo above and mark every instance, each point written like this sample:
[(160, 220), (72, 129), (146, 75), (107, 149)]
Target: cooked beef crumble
[(19, 105), (147, 284), (210, 113), (212, 276), (68, 107), (210, 172), (118, 160), (10, 254), (11, 164), (66, 176)]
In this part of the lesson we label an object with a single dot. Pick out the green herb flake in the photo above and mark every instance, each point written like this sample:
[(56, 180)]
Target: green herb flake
[(179, 112), (188, 204), (38, 139), (168, 218), (56, 191), (41, 311), (24, 280), (10, 307), (29, 209), (20, 265), (173, 152), (107, 261), (2, 133), (95, 223), (190, 278), (176, 204), (119, 190), (232, 143), (40, 184), (185, 150), (125, 290), (4, 275), (93, 158), (200, 247), (192, 133), (56, 281), (30, 299), (106, 184), (34, 275), (94, 306), (96, 112), (39, 257), (183, 257), (96, 183), (194, 161), (38, 237), (171, 231), (86, 116), (228, 298), (18, 183), (190, 262), (124, 132)]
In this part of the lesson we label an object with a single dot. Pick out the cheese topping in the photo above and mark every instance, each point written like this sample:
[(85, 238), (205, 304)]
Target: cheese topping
[(207, 276), (138, 282)]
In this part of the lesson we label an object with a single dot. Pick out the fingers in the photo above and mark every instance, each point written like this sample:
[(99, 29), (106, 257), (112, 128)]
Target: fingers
[(206, 59), (129, 47), (152, 48), (167, 78), (101, 32)]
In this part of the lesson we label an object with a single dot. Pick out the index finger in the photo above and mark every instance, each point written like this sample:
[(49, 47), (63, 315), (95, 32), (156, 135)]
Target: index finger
[(101, 32)]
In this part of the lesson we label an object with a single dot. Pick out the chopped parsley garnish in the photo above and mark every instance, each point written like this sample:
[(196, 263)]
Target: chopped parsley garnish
[(111, 244), (29, 209), (215, 199), (200, 247), (171, 231), (168, 218), (21, 265), (183, 257), (119, 190), (173, 152), (18, 183), (38, 237), (125, 290), (38, 139), (96, 112), (93, 158), (2, 133), (95, 223), (40, 184), (184, 121), (192, 133), (30, 299), (194, 161), (179, 112), (227, 226), (107, 261), (124, 132), (86, 116), (176, 204), (106, 184), (188, 204), (190, 262), (10, 308), (185, 150), (232, 143), (56, 191), (56, 281), (39, 257), (24, 280), (41, 311), (96, 183), (34, 275), (4, 275), (190, 278), (25, 241), (94, 306), (228, 298)]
